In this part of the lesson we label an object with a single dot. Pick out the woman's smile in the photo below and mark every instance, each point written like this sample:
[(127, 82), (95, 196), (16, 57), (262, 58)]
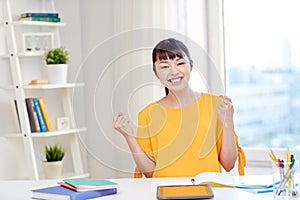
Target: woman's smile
[(175, 81)]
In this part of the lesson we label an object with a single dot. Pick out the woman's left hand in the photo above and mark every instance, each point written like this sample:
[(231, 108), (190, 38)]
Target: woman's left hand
[(225, 110)]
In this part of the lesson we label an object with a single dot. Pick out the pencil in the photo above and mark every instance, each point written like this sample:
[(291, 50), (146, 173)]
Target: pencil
[(272, 156)]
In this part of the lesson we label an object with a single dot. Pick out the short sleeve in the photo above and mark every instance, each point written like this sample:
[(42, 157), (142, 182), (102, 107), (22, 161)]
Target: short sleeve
[(143, 135), (241, 157), (144, 140)]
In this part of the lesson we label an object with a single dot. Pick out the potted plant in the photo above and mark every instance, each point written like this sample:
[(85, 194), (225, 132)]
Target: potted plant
[(57, 65), (53, 164)]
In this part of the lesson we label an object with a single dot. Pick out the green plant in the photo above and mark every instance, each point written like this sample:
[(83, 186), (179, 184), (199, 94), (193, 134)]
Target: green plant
[(57, 56), (54, 153)]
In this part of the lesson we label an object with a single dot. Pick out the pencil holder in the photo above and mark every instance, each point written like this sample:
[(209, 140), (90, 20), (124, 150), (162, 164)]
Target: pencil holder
[(286, 179)]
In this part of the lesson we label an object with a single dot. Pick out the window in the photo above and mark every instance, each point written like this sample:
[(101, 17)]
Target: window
[(262, 51)]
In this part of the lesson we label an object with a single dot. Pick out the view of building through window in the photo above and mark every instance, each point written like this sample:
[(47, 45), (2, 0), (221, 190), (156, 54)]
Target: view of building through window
[(262, 53)]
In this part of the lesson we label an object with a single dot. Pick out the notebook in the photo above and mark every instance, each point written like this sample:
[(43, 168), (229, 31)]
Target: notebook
[(62, 193)]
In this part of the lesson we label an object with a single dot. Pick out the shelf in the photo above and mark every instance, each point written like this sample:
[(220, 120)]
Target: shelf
[(47, 134), (58, 133), (72, 175), (32, 54), (38, 23), (27, 54), (45, 86), (52, 86), (20, 37)]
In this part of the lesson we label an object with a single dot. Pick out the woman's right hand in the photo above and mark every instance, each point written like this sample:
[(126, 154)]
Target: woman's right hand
[(122, 124), (143, 162)]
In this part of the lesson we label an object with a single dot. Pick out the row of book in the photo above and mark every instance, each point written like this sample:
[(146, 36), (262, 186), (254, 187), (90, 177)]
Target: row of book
[(38, 116), (45, 17), (76, 189)]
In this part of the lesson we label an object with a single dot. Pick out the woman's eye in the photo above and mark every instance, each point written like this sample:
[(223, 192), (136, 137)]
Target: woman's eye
[(164, 67), (181, 63)]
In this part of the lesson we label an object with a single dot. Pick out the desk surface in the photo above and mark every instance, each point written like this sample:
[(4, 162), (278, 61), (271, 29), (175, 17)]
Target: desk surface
[(129, 189)]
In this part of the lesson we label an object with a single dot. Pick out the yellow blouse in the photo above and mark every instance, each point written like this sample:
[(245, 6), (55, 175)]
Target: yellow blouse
[(183, 141)]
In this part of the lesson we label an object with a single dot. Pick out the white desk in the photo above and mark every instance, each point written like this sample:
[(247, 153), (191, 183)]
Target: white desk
[(129, 189)]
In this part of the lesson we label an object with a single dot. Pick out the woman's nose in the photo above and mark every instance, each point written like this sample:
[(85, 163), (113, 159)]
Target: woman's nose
[(174, 69)]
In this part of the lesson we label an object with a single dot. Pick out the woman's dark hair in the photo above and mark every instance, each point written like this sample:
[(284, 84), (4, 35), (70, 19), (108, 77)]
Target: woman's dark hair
[(169, 49)]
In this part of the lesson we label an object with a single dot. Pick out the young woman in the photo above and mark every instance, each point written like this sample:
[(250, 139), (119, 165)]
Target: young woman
[(186, 132)]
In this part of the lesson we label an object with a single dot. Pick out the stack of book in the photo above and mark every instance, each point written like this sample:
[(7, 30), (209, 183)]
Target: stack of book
[(45, 17), (77, 189), (38, 82), (38, 116)]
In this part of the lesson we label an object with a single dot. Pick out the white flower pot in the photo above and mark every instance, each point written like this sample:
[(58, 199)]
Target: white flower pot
[(57, 73), (52, 170)]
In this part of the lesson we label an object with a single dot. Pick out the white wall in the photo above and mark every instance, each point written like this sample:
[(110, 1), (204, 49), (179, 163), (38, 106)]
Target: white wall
[(117, 38), (110, 43), (109, 51)]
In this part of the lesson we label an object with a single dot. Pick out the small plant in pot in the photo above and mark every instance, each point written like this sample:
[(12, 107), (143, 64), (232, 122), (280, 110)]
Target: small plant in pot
[(53, 164), (57, 65), (57, 56)]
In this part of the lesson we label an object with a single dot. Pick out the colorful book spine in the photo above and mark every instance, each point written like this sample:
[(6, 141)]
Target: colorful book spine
[(33, 14), (39, 115), (32, 115), (43, 19), (45, 114)]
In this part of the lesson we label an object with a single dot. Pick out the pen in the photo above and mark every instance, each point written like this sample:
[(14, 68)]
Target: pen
[(286, 177), (288, 160), (288, 156), (281, 168), (283, 183), (272, 156)]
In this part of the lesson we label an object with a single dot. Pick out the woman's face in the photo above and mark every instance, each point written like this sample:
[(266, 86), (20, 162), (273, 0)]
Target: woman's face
[(173, 74)]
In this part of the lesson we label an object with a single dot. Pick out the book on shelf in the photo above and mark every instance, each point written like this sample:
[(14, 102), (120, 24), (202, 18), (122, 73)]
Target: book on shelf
[(38, 14), (42, 19), (80, 185), (45, 114), (60, 192), (32, 115), (38, 82), (17, 112), (40, 115)]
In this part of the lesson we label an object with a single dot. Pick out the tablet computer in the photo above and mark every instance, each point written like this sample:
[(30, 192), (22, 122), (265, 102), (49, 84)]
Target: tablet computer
[(201, 191)]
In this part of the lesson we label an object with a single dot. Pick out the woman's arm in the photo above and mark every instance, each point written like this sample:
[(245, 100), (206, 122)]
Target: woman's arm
[(143, 162), (228, 154)]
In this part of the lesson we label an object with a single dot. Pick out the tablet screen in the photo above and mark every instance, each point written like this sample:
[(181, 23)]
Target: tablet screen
[(184, 191)]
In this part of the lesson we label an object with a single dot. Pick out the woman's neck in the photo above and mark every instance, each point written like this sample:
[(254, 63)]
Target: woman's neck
[(180, 99)]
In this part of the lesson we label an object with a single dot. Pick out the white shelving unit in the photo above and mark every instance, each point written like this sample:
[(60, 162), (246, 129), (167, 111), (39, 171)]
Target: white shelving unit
[(22, 90)]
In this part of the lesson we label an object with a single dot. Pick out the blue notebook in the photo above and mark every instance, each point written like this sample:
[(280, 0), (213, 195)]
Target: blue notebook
[(59, 192), (39, 115)]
